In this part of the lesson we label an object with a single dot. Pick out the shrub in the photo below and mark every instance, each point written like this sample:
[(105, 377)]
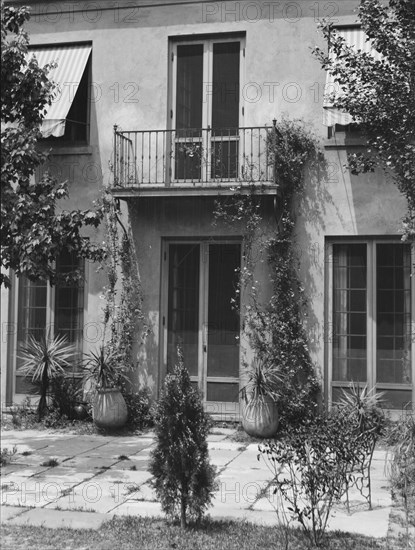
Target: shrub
[(6, 455), (402, 436), (66, 394), (365, 421), (309, 466), (54, 419), (23, 415), (314, 466), (140, 409), (184, 479)]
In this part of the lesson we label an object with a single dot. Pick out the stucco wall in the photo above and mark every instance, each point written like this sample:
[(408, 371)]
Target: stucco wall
[(130, 64), (155, 220)]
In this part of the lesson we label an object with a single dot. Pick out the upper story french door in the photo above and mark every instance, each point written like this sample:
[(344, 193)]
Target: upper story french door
[(206, 109)]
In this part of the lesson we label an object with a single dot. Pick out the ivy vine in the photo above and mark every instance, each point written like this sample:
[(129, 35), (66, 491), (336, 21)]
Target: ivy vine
[(276, 331), (123, 311)]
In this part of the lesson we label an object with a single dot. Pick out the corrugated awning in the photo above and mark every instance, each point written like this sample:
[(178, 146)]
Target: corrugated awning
[(71, 62), (356, 38)]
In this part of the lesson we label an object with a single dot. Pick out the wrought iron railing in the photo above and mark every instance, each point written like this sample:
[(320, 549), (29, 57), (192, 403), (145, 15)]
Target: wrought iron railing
[(192, 157)]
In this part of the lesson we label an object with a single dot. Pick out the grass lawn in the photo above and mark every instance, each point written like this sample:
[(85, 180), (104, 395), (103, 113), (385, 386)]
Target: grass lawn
[(130, 533)]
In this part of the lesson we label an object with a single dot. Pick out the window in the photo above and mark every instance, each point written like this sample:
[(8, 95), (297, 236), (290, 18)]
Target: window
[(371, 311), (77, 121), (58, 310), (334, 119), (67, 119), (205, 108)]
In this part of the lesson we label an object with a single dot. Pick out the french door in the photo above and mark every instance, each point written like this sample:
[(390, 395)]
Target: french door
[(371, 304), (202, 317), (205, 109)]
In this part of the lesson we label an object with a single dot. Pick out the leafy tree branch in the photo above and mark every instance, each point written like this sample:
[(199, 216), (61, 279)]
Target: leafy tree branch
[(379, 94), (34, 229)]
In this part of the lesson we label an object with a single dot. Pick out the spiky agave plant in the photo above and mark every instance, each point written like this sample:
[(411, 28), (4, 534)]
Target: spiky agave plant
[(102, 367), (43, 360), (263, 381), (363, 406)]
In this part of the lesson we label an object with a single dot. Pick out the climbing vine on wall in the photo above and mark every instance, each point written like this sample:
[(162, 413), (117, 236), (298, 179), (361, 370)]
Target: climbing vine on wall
[(276, 330), (123, 311)]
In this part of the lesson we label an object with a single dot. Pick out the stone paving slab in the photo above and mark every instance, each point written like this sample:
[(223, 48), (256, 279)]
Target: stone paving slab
[(61, 482), (9, 512), (222, 431), (221, 458), (373, 523), (231, 498), (21, 470), (24, 491), (135, 462), (131, 440), (30, 456), (139, 508), (213, 438), (62, 448), (142, 492), (34, 438), (41, 461), (94, 478), (101, 493), (225, 445), (124, 476), (115, 450), (55, 519), (90, 463)]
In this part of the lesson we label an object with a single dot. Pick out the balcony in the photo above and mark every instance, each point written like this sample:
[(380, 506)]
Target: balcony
[(192, 161)]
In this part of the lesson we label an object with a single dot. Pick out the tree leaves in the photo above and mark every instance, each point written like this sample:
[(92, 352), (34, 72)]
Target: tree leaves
[(380, 93), (34, 231)]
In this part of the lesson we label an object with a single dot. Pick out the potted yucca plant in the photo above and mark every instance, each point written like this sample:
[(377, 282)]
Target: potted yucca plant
[(109, 409), (45, 359), (259, 399)]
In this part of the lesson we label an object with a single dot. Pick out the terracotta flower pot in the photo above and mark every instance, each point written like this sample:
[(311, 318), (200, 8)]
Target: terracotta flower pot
[(260, 417), (109, 410)]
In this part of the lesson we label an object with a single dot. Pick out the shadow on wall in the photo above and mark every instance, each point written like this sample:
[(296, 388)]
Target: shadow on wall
[(312, 211), (145, 352)]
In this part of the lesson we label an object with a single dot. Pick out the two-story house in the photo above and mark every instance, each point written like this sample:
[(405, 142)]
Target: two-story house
[(192, 88)]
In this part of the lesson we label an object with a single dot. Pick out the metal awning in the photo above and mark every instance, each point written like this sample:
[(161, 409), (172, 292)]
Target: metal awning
[(356, 38), (71, 61)]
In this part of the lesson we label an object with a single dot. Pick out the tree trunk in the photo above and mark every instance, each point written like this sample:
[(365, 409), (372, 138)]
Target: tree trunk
[(43, 393), (183, 506)]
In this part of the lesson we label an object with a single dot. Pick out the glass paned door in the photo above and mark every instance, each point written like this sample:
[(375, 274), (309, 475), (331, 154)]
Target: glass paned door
[(189, 102), (202, 315), (223, 323), (349, 313), (393, 322), (372, 315), (206, 110), (183, 306), (225, 111)]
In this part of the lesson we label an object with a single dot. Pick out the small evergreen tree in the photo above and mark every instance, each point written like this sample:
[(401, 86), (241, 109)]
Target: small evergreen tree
[(184, 479)]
